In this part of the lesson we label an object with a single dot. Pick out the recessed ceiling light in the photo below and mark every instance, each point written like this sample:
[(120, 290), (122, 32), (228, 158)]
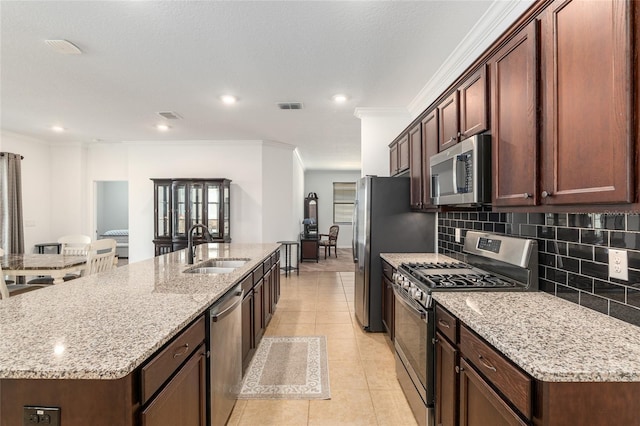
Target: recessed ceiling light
[(163, 127), (58, 129), (339, 98), (229, 99)]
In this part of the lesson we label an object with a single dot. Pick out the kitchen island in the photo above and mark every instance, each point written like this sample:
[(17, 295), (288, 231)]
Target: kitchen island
[(93, 334)]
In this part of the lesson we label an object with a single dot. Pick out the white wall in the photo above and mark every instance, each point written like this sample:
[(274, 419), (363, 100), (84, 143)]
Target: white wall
[(36, 186), (321, 182), (378, 127)]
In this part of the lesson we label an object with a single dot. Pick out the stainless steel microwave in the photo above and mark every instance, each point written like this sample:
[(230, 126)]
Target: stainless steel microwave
[(462, 173)]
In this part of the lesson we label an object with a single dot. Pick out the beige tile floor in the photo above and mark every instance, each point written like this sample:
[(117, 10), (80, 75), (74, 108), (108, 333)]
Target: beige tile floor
[(364, 389)]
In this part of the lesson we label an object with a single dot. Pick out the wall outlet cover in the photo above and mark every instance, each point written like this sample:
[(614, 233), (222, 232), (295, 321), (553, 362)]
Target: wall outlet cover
[(618, 264), (458, 235)]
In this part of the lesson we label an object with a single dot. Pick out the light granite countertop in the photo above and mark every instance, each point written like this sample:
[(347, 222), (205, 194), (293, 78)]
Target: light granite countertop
[(104, 326), (550, 338)]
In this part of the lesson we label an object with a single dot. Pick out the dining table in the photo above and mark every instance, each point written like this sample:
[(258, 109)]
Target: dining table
[(32, 264)]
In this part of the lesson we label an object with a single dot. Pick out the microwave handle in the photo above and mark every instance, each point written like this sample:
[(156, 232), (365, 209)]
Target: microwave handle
[(455, 174)]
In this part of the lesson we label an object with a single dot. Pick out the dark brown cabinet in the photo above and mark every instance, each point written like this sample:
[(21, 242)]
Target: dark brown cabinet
[(479, 404), (514, 118), (309, 248), (399, 155), (181, 203), (446, 382), (388, 299), (464, 112), (448, 121), (587, 140), (183, 400), (416, 168), (583, 151)]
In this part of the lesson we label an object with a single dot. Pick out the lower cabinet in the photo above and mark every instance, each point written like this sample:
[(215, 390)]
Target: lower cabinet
[(446, 382), (262, 291), (183, 400), (388, 299), (476, 385), (480, 404)]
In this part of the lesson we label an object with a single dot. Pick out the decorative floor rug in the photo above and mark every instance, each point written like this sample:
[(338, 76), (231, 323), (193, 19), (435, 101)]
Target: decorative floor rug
[(288, 368)]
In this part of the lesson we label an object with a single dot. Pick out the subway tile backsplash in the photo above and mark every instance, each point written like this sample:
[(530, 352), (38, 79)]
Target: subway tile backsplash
[(573, 253)]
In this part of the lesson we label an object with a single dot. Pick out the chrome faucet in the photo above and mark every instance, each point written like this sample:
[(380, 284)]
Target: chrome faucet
[(207, 236)]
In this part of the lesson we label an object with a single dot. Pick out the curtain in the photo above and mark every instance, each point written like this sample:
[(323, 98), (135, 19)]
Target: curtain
[(11, 226)]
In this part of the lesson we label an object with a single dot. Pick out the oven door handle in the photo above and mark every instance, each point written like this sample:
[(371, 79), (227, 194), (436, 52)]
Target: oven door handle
[(409, 302)]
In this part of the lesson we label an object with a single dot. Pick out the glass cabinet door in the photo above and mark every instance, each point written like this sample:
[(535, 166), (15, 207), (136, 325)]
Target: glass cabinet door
[(163, 210), (180, 223), (196, 205), (213, 209), (226, 213)]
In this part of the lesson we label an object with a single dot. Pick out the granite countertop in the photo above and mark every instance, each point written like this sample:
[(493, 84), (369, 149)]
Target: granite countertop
[(104, 326), (550, 338)]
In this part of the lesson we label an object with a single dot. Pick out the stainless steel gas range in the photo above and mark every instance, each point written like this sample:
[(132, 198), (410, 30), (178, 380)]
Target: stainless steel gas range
[(493, 263)]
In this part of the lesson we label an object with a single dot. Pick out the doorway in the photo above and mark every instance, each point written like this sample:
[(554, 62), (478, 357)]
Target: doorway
[(112, 215)]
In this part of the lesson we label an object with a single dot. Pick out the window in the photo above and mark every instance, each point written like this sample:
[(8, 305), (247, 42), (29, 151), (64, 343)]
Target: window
[(344, 196)]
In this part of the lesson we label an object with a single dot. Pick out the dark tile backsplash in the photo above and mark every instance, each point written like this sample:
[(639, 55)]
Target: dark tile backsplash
[(573, 253)]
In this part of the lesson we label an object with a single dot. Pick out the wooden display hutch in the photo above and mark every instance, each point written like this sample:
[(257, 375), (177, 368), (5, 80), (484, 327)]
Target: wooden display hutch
[(181, 203)]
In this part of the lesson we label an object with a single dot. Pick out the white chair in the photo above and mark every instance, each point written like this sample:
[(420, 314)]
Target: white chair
[(101, 257), (75, 245)]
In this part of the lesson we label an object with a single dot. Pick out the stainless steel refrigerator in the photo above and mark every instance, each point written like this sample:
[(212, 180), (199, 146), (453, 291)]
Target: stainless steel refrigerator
[(384, 223)]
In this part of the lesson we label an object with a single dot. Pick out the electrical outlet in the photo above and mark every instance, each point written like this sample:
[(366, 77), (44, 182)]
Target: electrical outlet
[(458, 235), (32, 415), (618, 264)]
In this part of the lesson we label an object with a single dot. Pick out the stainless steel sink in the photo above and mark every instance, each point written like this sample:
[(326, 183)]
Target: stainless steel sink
[(216, 266), (209, 270)]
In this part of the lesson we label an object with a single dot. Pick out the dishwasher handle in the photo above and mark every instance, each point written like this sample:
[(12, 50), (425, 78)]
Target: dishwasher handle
[(218, 316)]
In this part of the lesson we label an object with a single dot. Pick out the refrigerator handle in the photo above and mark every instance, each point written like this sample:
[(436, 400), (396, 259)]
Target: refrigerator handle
[(354, 222)]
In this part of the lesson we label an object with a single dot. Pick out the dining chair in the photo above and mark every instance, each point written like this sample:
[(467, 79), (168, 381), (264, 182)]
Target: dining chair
[(101, 256), (331, 241), (74, 245)]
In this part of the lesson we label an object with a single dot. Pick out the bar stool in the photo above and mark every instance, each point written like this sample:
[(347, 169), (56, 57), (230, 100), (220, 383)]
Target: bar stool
[(288, 249)]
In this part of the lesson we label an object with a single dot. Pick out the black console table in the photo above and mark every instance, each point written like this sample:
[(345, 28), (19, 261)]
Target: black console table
[(288, 250)]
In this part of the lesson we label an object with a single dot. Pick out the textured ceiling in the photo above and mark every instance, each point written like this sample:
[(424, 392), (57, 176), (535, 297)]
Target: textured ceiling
[(141, 57)]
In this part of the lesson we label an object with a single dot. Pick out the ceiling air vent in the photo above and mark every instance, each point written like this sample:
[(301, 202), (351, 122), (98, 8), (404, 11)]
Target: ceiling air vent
[(290, 105), (170, 115)]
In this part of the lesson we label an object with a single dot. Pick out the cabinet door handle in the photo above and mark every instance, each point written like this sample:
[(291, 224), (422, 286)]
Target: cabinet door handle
[(546, 194), (459, 369), (527, 195), (486, 363), (184, 350), (444, 323)]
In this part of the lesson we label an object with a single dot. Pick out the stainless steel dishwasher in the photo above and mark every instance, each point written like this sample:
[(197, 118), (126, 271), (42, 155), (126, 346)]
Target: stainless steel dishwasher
[(225, 360)]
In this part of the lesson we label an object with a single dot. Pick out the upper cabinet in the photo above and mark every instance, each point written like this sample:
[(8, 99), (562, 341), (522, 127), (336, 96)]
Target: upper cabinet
[(182, 203), (514, 118), (464, 112), (399, 155), (582, 153), (587, 137), (423, 143)]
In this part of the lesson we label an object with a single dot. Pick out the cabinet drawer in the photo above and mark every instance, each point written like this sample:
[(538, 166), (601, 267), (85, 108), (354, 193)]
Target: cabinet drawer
[(387, 270), (446, 323), (257, 274), (506, 377), (163, 365), (267, 264), (247, 283)]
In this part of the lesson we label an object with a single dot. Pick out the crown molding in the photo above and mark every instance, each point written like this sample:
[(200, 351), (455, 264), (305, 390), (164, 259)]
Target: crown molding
[(365, 112), (496, 20)]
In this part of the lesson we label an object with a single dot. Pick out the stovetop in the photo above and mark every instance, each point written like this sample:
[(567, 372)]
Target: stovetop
[(495, 263), (453, 275)]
